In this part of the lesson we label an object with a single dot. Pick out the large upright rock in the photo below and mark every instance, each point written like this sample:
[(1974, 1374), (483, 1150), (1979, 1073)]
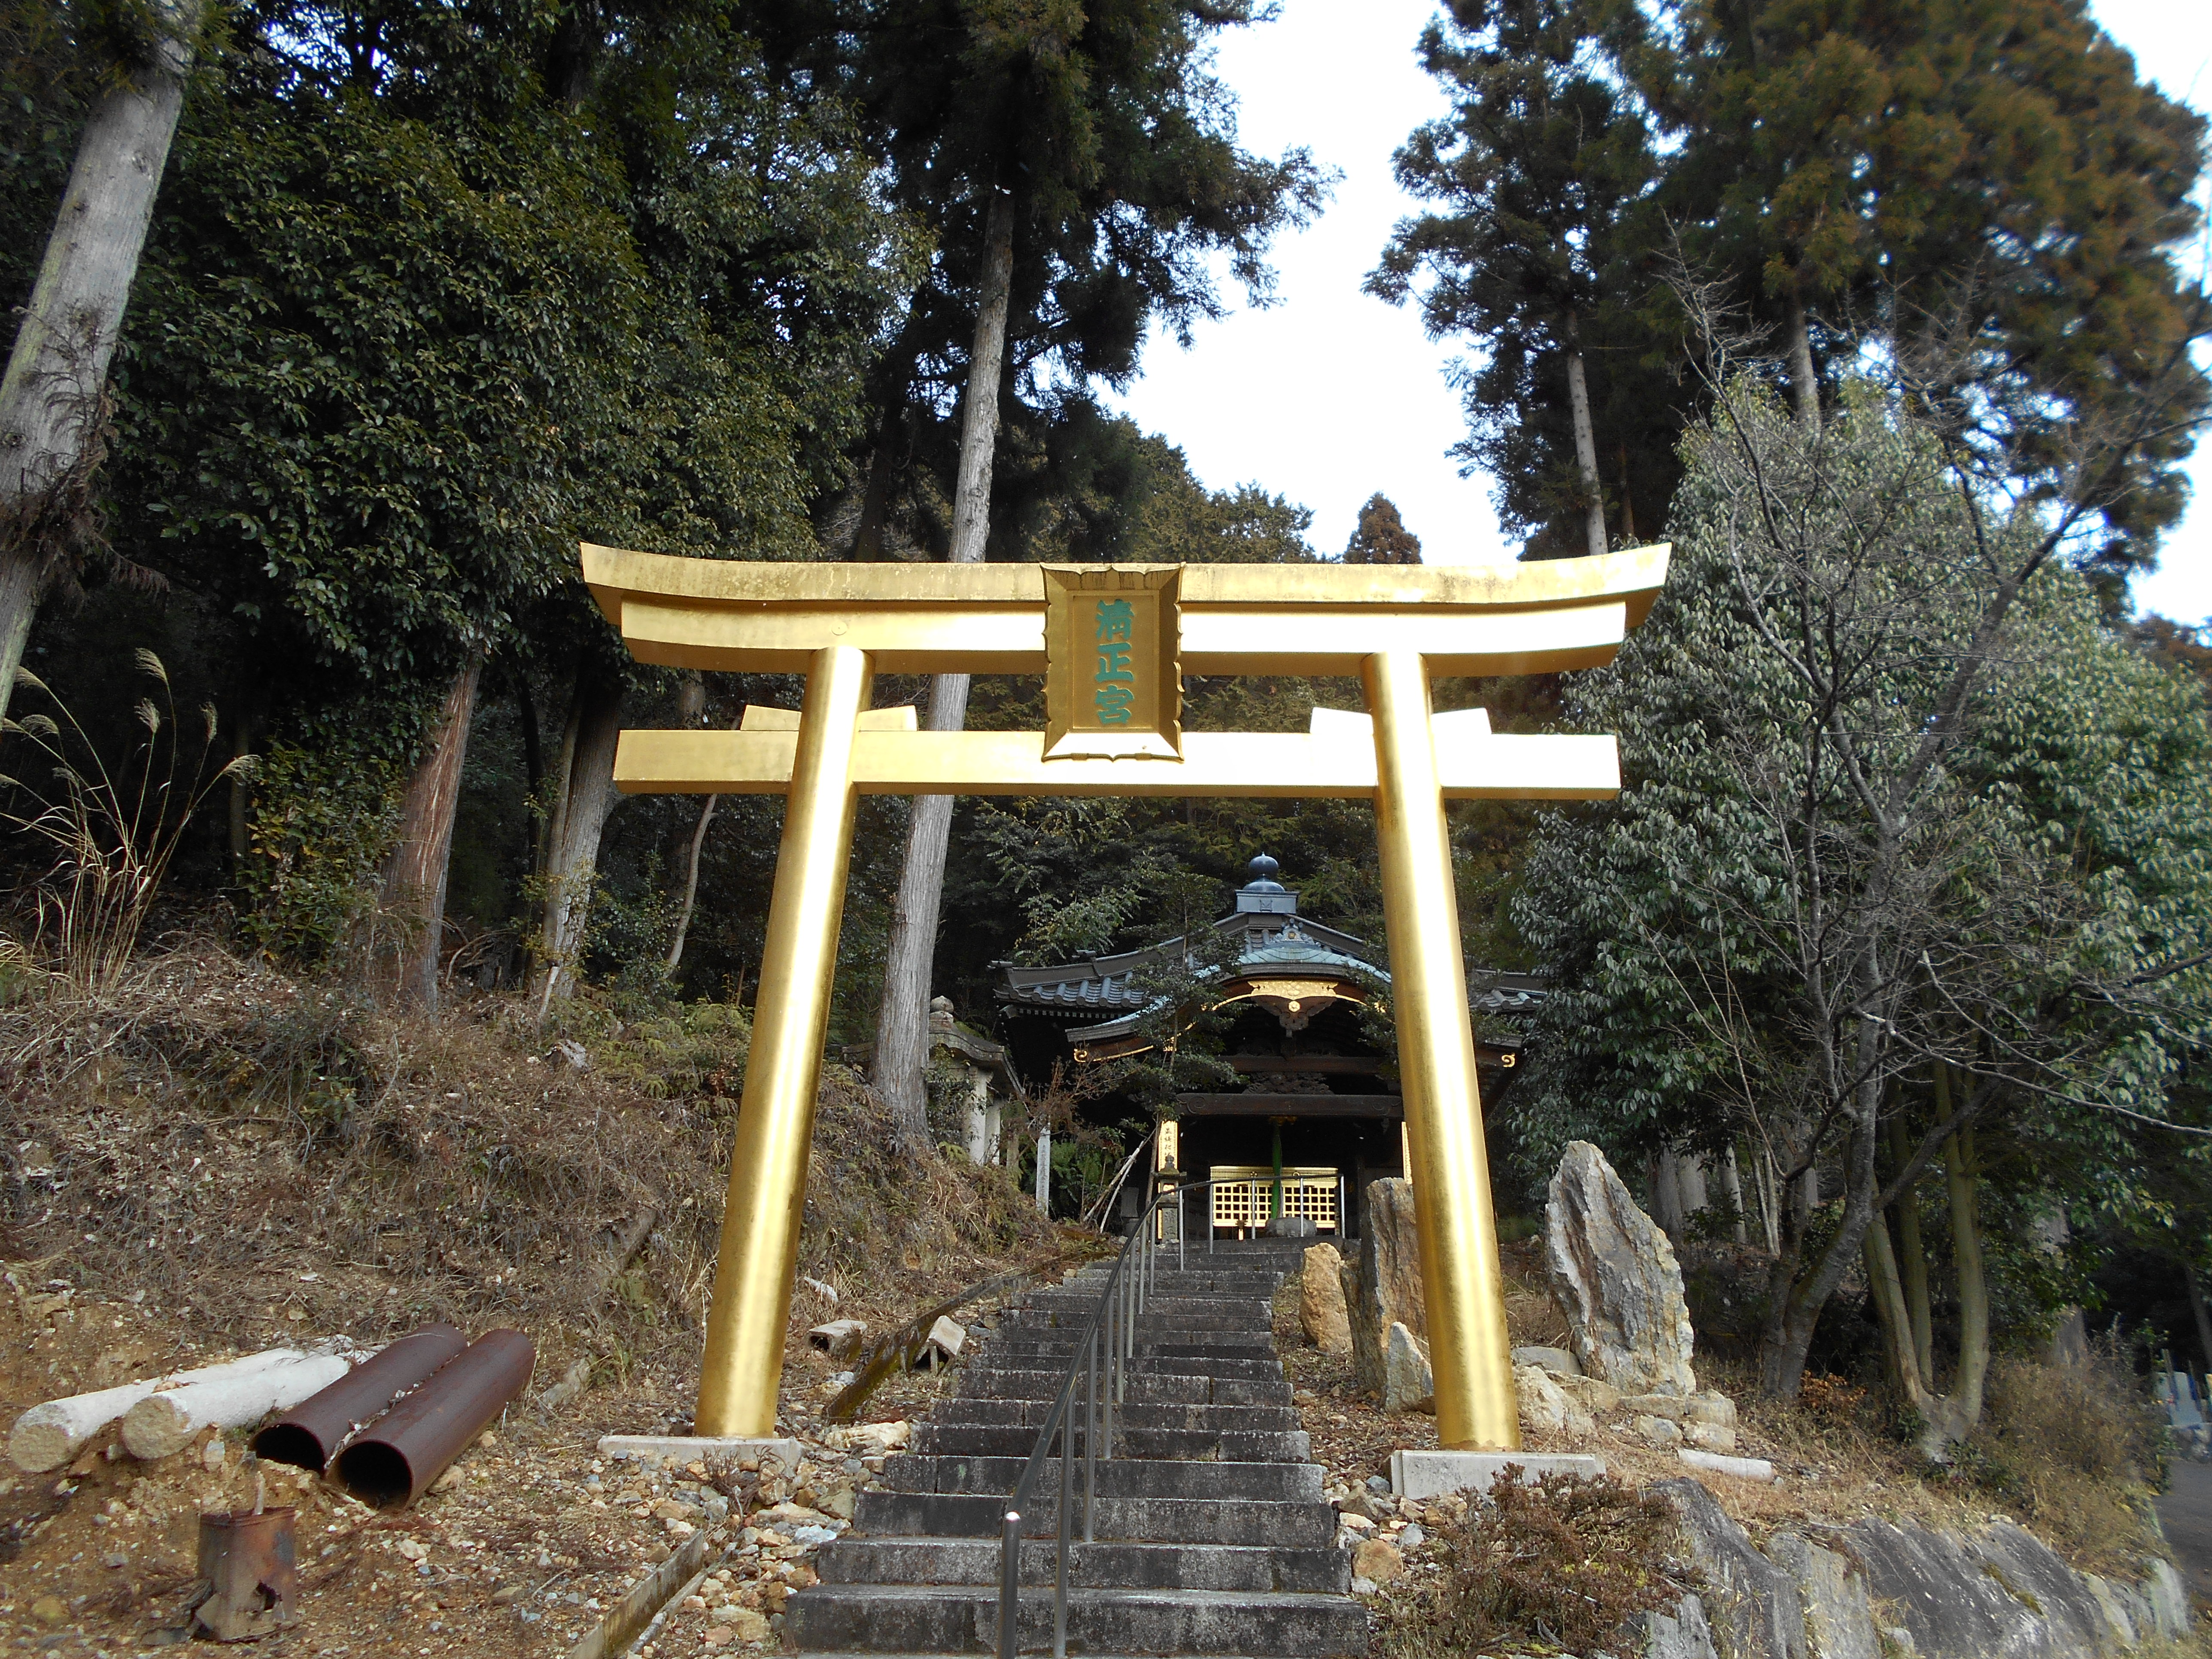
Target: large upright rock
[(1382, 1283), (1616, 1279), (1321, 1300)]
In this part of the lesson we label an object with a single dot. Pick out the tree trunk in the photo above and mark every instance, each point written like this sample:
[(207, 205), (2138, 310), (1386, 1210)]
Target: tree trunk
[(1795, 1301), (690, 884), (1667, 1195), (691, 700), (2196, 1307), (876, 496), (2070, 1332), (52, 397), (1690, 1183), (902, 1020), (414, 875), (550, 828), (1963, 1180), (1585, 439), (573, 853), (1769, 1204), (1912, 1262), (22, 581), (247, 709), (1627, 511), (1804, 385), (1899, 1346), (1732, 1190)]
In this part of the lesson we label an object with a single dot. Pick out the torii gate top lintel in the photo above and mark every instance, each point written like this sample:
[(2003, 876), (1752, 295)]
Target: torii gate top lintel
[(1319, 619)]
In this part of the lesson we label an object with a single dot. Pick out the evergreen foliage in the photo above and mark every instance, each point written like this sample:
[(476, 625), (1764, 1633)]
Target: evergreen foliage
[(1983, 192), (1118, 148), (1381, 535), (1843, 859)]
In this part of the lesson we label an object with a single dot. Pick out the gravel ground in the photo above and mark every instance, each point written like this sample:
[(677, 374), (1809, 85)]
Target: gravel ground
[(521, 1548)]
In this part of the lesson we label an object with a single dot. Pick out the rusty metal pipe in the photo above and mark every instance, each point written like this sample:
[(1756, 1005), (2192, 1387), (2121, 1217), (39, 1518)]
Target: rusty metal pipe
[(394, 1462), (311, 1433), (249, 1574)]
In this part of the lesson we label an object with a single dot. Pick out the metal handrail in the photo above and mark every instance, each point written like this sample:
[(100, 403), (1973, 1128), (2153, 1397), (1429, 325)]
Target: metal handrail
[(1111, 1333)]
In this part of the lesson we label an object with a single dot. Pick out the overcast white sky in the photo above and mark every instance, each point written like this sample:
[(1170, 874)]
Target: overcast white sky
[(1329, 395)]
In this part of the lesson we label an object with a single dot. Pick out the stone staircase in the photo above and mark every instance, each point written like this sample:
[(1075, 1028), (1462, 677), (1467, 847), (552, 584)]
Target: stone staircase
[(1212, 1534)]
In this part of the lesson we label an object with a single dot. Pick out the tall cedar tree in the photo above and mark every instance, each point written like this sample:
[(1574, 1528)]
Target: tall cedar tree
[(1075, 166), (1540, 169), (1983, 190), (1381, 536), (1984, 186)]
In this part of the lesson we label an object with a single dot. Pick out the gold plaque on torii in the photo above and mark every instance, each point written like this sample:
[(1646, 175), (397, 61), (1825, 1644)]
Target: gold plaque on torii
[(1113, 678)]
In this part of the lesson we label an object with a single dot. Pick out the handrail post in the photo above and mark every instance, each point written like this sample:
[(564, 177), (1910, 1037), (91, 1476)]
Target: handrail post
[(1010, 1585), (1091, 1439), (1059, 1567), (1111, 1344)]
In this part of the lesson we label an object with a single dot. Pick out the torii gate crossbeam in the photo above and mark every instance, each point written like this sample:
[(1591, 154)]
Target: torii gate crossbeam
[(1113, 643)]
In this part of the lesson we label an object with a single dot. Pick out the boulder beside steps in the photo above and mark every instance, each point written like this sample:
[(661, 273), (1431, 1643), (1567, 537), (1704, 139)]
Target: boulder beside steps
[(1214, 1536)]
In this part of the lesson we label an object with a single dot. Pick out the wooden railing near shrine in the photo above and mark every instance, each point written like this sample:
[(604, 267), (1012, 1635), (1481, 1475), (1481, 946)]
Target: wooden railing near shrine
[(1243, 1196)]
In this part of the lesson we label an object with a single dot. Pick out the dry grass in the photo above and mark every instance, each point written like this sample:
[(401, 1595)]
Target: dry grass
[(272, 1157), (2198, 1645), (1562, 1565), (2063, 1454), (2072, 1450)]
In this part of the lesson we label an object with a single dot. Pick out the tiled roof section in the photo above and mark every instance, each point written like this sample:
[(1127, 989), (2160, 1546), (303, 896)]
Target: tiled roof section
[(1101, 992), (1504, 994)]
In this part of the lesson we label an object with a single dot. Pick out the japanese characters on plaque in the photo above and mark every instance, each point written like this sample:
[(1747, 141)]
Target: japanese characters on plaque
[(1113, 688)]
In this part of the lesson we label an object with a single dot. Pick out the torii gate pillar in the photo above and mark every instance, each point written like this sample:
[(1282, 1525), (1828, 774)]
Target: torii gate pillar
[(1453, 1220)]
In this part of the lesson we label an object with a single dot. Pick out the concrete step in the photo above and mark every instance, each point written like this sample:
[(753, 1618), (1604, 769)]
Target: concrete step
[(1180, 1345), (1137, 1413), (1141, 1388), (963, 1618), (1117, 1477), (1170, 1301), (1106, 1567), (1205, 1446), (1048, 1327), (1245, 1312), (1311, 1525), (1212, 1537), (1246, 1288), (1038, 1377)]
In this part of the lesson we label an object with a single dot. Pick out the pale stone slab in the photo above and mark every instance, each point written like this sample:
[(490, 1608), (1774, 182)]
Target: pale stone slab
[(700, 1447), (1408, 1383), (1743, 1468), (1552, 1359), (1432, 1474)]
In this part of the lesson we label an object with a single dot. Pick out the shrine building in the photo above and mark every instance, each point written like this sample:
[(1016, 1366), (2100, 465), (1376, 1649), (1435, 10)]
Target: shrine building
[(1317, 1114)]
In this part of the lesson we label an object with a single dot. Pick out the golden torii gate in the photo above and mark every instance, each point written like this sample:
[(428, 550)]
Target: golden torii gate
[(1113, 643)]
